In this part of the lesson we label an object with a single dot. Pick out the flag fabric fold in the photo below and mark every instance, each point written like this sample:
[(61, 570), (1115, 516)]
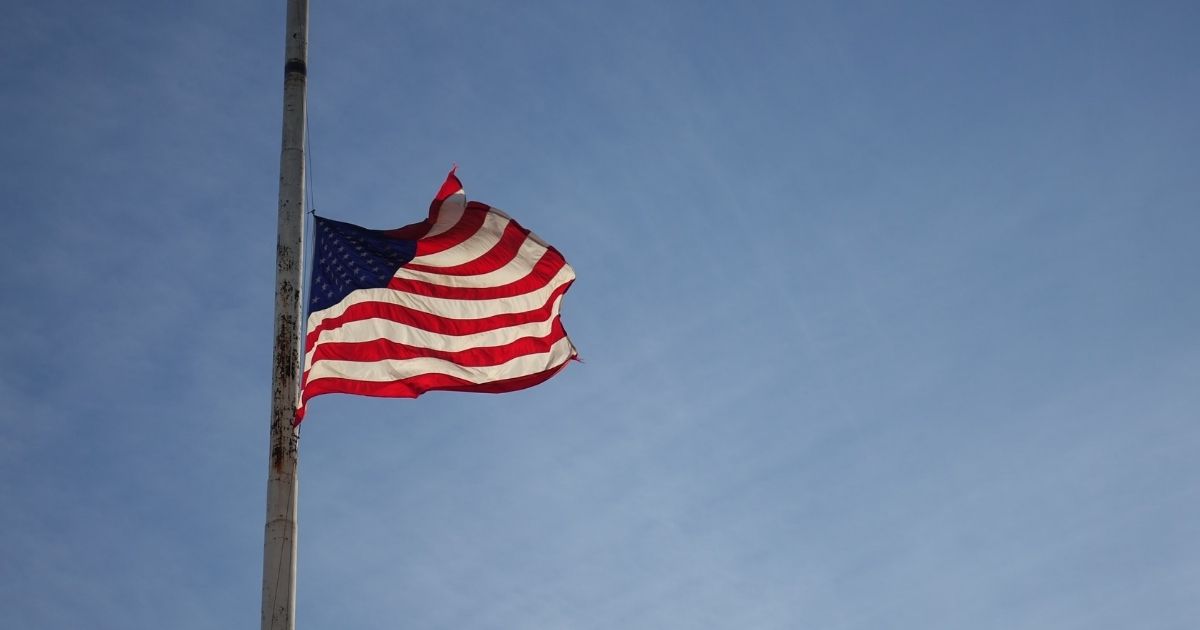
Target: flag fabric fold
[(466, 300)]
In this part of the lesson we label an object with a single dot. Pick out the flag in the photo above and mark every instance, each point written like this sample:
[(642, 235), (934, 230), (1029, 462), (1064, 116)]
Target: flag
[(466, 300)]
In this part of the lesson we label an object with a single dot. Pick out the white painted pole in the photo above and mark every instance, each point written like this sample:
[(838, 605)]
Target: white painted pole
[(279, 545)]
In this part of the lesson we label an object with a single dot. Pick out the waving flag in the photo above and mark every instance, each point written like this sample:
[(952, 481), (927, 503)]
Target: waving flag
[(466, 300)]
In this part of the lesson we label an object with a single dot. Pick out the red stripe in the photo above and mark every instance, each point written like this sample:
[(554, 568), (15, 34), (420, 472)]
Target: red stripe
[(467, 226), (450, 186), (413, 232), (433, 323), (384, 349), (417, 385), (498, 256), (538, 277)]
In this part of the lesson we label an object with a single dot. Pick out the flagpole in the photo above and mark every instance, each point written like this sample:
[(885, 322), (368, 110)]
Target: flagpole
[(279, 541)]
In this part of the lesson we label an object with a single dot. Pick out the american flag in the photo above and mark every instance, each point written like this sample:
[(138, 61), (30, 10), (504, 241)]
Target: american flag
[(466, 300)]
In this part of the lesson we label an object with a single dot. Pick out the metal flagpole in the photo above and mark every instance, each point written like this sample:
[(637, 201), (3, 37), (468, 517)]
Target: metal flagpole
[(279, 545)]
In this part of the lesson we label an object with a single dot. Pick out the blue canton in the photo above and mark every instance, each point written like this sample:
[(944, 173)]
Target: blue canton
[(347, 257)]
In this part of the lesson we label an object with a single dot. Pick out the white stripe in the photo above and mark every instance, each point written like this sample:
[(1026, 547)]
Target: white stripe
[(448, 308), (449, 213), (526, 259), (372, 329), (397, 369), (531, 235), (473, 247)]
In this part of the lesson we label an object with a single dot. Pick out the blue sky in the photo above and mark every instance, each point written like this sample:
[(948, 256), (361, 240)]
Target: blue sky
[(888, 314)]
